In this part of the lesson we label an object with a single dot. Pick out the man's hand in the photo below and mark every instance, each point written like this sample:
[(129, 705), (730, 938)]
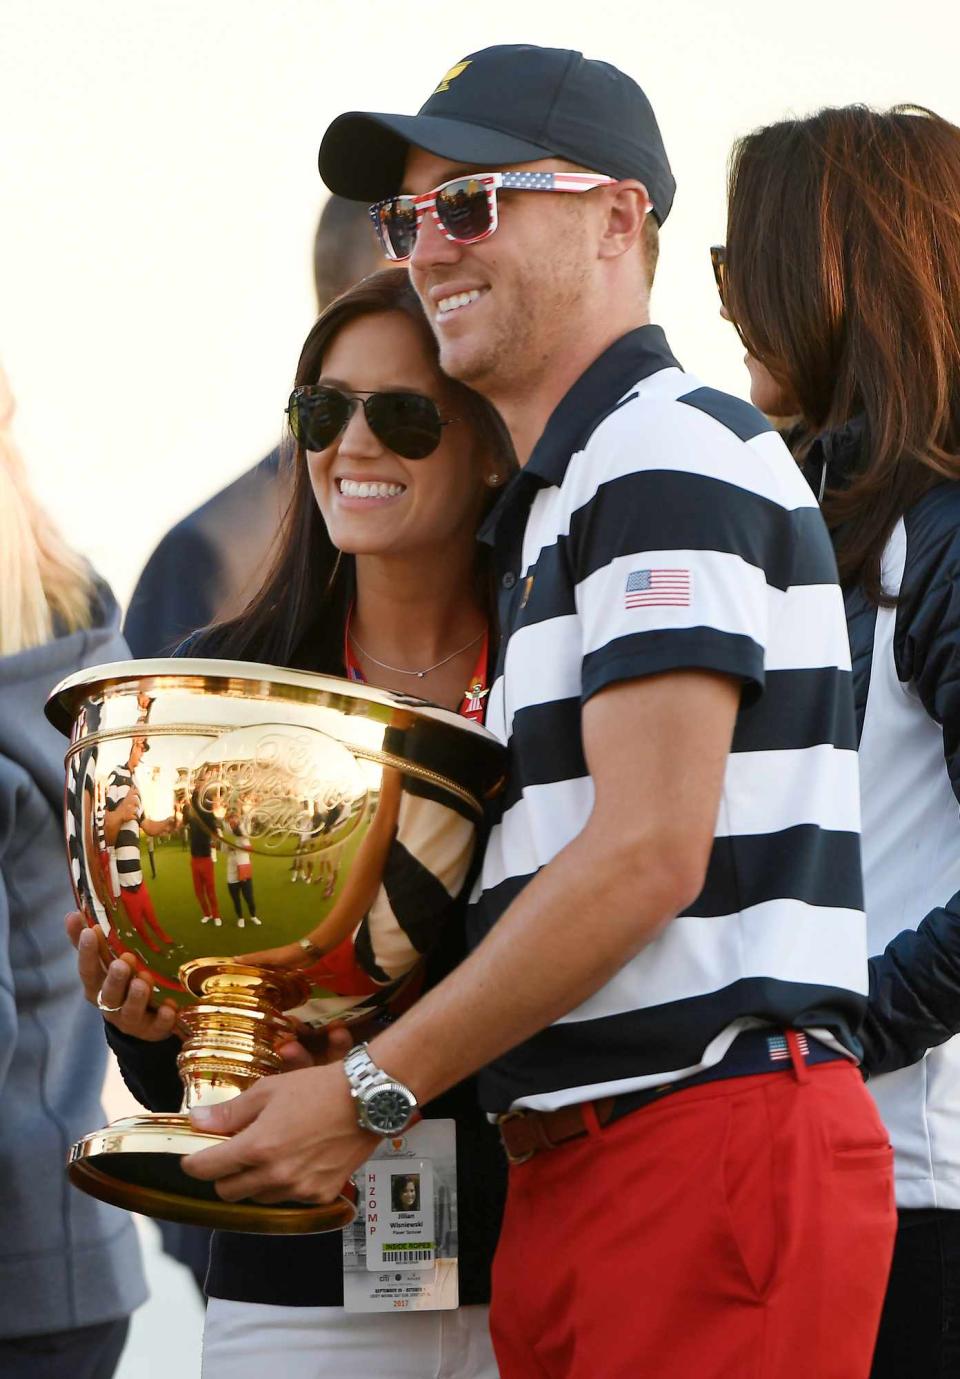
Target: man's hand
[(293, 1139)]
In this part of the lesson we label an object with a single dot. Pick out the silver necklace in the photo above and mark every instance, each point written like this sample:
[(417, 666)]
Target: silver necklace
[(402, 670)]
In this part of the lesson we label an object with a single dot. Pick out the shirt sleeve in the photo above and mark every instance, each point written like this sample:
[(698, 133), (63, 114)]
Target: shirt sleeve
[(681, 554), (149, 1069)]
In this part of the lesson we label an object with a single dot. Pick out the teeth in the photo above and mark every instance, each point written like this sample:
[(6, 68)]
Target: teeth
[(458, 300), (350, 488)]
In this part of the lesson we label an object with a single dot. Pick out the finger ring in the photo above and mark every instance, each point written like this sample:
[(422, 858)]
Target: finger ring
[(107, 1010)]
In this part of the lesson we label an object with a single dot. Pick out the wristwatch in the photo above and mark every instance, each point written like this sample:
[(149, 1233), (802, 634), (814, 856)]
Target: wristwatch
[(384, 1105)]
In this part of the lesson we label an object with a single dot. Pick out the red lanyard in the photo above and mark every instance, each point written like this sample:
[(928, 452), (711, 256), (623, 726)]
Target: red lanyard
[(474, 696)]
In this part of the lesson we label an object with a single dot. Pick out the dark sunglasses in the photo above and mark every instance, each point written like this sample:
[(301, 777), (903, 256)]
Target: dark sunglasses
[(465, 209), (718, 257), (409, 424)]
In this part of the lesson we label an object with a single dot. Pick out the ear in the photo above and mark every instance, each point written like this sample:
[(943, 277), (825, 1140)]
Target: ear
[(627, 206)]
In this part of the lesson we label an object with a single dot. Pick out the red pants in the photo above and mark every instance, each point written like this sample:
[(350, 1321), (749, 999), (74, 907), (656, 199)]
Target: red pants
[(738, 1230), (139, 909), (205, 885)]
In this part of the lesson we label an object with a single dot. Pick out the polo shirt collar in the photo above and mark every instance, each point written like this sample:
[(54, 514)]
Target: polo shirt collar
[(636, 355)]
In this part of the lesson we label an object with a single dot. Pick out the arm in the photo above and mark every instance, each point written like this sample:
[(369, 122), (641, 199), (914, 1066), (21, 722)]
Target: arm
[(157, 828), (621, 880), (914, 1001), (116, 815), (8, 1003), (143, 1039), (664, 739)]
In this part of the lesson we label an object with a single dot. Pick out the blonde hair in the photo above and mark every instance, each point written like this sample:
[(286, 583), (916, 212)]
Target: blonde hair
[(41, 578)]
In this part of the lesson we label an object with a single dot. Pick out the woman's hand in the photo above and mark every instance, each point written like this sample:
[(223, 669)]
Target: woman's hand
[(287, 955), (117, 984), (312, 1048)]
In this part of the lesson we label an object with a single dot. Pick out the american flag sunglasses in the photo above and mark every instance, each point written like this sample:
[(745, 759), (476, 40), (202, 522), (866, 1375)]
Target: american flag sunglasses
[(465, 208)]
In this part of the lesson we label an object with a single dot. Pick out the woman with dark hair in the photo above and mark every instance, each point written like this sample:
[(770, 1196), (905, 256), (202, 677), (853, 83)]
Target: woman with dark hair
[(377, 577), (841, 273)]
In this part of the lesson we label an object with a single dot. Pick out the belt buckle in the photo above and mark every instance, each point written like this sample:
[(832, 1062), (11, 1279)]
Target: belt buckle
[(513, 1158)]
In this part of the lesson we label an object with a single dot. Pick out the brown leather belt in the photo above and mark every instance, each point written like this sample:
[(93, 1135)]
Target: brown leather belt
[(525, 1133), (766, 1050)]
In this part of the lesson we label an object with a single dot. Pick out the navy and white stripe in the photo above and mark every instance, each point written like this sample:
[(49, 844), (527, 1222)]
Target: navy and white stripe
[(642, 468), (126, 848)]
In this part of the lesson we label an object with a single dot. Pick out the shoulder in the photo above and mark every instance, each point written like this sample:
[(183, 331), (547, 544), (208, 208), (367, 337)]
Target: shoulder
[(932, 529), (672, 424)]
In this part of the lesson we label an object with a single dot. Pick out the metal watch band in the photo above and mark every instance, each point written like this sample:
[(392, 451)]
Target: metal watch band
[(362, 1073)]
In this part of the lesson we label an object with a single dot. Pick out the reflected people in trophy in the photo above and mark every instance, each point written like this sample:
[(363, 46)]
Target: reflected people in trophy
[(240, 870), (124, 821), (204, 832)]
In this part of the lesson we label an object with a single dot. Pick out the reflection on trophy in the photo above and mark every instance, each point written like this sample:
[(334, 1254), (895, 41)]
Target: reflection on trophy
[(349, 812)]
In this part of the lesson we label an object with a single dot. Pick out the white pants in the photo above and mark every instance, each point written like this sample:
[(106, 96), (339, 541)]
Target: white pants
[(248, 1340)]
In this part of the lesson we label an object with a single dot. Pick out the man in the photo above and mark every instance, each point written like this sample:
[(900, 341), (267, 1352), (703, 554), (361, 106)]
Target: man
[(209, 564), (669, 949), (122, 824), (204, 832)]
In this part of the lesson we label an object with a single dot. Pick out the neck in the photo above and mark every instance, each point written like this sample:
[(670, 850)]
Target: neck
[(413, 612), (526, 405)]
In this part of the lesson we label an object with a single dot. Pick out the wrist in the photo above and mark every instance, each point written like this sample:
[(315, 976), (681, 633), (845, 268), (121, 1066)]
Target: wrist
[(383, 1104)]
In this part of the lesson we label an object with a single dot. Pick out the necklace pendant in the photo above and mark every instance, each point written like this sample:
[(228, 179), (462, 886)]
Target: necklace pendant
[(421, 674)]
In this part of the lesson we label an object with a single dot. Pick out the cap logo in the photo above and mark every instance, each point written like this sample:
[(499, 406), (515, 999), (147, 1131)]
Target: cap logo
[(452, 75)]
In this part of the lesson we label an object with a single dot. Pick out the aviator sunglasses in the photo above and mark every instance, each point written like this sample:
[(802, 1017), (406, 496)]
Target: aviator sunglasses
[(718, 258), (409, 424), (465, 208)]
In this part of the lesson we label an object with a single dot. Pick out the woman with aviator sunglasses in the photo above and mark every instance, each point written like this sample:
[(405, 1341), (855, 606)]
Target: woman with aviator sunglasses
[(378, 577), (841, 274)]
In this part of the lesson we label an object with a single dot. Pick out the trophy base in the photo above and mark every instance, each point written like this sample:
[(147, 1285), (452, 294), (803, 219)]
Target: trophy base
[(135, 1164)]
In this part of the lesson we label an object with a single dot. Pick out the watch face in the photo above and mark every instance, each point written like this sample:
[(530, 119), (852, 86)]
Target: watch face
[(387, 1110)]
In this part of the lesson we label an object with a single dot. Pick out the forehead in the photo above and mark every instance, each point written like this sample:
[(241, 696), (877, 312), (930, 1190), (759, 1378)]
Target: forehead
[(423, 171), (385, 350)]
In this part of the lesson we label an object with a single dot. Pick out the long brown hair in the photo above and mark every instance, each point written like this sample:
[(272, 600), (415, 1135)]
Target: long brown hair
[(843, 279), (296, 617)]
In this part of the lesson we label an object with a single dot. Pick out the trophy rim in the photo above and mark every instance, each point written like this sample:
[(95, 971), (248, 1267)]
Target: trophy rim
[(62, 698)]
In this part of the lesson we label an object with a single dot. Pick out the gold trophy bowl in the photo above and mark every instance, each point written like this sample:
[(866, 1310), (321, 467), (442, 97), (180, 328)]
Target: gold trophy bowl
[(339, 820)]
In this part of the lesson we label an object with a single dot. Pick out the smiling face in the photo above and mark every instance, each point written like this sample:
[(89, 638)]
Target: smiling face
[(374, 502), (504, 307)]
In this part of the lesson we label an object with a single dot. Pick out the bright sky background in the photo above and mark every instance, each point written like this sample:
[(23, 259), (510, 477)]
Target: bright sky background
[(159, 191)]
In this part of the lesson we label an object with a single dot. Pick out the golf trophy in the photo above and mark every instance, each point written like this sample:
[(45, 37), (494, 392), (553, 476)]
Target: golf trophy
[(276, 849)]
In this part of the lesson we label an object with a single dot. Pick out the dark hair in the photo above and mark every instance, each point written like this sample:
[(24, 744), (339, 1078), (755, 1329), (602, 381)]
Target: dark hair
[(843, 279), (345, 248), (297, 616)]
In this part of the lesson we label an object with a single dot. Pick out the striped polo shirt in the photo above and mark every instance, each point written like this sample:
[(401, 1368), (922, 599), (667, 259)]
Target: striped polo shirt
[(126, 849), (660, 525)]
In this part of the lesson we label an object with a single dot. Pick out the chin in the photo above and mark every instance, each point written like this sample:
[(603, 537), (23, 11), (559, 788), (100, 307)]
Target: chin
[(467, 365)]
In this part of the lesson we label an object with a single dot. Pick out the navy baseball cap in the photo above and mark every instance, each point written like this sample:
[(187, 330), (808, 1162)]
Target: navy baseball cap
[(514, 103)]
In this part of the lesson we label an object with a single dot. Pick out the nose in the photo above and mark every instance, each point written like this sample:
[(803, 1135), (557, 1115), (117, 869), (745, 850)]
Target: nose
[(725, 314), (431, 247), (357, 441)]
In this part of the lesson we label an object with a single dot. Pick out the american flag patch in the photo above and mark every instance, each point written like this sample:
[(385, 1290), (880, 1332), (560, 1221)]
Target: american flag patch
[(777, 1045), (658, 589)]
